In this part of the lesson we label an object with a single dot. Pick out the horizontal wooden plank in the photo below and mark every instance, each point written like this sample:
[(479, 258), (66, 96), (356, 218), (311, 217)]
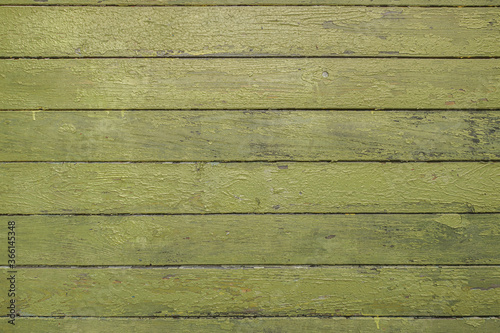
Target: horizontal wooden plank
[(280, 291), (257, 239), (164, 83), (249, 31), (354, 324), (68, 188), (438, 3), (249, 135)]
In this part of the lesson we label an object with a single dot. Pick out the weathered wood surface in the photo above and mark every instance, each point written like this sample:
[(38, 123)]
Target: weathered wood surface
[(434, 3), (257, 239), (83, 127), (164, 83), (278, 291), (68, 188), (249, 31), (252, 325), (249, 135)]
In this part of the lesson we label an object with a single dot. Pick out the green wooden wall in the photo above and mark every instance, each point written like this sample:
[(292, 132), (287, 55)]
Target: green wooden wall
[(250, 165)]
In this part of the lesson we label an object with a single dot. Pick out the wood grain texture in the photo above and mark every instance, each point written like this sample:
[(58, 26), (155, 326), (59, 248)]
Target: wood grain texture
[(161, 83), (257, 239), (279, 291), (249, 135), (251, 325), (82, 127), (69, 188), (435, 3), (249, 31)]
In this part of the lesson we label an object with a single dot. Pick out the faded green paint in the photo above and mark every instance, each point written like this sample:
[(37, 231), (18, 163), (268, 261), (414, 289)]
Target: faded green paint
[(163, 83), (249, 135), (68, 188), (278, 291), (283, 187), (256, 2), (258, 239), (249, 31), (252, 325)]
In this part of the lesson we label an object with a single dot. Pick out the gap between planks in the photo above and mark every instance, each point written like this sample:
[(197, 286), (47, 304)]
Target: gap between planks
[(239, 213), (319, 3), (252, 109), (250, 57), (255, 161), (208, 317), (249, 267)]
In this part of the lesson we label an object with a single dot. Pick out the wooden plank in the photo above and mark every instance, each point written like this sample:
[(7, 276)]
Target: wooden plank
[(69, 188), (249, 135), (279, 291), (163, 83), (464, 3), (257, 239), (249, 31), (188, 325)]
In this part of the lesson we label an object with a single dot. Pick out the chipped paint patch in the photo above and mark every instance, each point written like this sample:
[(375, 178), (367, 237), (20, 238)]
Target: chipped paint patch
[(453, 220), (476, 322), (67, 128)]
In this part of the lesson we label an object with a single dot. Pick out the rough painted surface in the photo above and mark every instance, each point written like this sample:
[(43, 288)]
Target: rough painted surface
[(251, 325), (249, 135), (279, 291), (258, 239), (256, 2), (242, 31), (68, 188), (197, 247), (162, 83)]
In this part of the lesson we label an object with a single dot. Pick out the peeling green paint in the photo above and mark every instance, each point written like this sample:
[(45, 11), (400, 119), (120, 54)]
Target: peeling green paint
[(70, 188), (185, 111), (255, 2), (249, 135), (249, 31), (453, 220), (249, 83), (278, 291), (278, 239), (250, 325)]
